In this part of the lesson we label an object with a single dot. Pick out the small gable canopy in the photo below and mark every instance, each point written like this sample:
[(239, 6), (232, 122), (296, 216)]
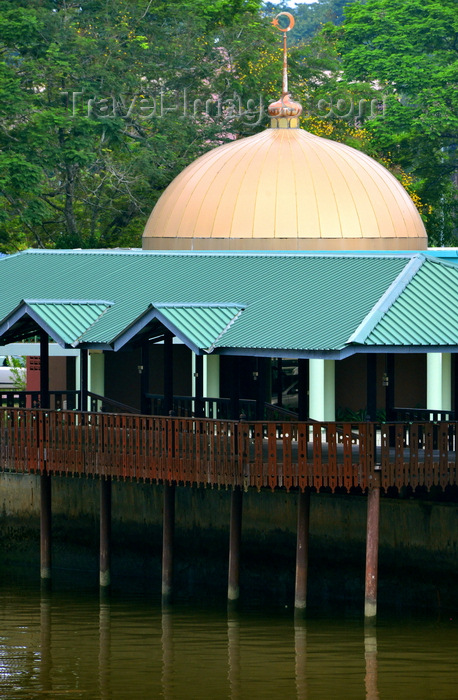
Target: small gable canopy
[(65, 321), (199, 326)]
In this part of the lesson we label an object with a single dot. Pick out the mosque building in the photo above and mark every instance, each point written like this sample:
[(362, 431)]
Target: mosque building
[(280, 252)]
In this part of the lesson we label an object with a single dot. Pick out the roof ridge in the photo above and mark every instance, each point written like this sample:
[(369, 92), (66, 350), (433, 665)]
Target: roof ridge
[(197, 305), (98, 302), (385, 302), (218, 253), (225, 329), (77, 341)]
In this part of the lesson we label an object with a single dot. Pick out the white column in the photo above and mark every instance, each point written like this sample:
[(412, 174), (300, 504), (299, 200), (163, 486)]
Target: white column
[(77, 371), (211, 376), (193, 372), (211, 383), (96, 372), (439, 381), (322, 395)]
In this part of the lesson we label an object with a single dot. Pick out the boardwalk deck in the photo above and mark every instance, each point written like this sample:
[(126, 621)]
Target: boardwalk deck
[(228, 453)]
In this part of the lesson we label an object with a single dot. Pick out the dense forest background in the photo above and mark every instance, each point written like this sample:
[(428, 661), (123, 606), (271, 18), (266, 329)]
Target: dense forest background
[(104, 102)]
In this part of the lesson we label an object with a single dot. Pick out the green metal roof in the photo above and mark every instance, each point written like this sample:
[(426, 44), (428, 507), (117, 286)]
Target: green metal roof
[(425, 313), (65, 321), (201, 325), (297, 304), (69, 320)]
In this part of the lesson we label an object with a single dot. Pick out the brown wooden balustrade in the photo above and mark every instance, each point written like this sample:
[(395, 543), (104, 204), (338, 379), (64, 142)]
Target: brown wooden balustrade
[(228, 453)]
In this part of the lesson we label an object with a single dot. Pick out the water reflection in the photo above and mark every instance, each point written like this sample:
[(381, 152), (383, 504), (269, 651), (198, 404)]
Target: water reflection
[(300, 653), (167, 654), (104, 650), (74, 646), (233, 655), (370, 655), (45, 642)]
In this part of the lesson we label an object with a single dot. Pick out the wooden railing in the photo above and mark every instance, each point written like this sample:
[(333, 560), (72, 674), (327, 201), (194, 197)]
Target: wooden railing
[(228, 453)]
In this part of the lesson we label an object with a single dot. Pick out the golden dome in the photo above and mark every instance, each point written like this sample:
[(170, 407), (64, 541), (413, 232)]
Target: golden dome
[(285, 189)]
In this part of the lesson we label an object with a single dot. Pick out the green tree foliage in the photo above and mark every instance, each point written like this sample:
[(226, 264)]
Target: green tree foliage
[(103, 102), (98, 110), (409, 49)]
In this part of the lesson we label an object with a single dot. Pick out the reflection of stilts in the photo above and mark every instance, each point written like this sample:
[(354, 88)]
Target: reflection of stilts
[(45, 643), (370, 655), (300, 649), (233, 654), (104, 650), (167, 654)]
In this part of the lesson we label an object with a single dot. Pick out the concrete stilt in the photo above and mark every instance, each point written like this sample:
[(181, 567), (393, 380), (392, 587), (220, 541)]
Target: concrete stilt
[(105, 532), (302, 550), (372, 542), (167, 543), (235, 537), (45, 528)]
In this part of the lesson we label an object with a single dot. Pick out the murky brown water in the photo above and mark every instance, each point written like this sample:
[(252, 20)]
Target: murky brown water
[(71, 645)]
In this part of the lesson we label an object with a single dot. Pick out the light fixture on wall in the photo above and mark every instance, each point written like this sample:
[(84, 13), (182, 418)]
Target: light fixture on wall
[(140, 368), (385, 379)]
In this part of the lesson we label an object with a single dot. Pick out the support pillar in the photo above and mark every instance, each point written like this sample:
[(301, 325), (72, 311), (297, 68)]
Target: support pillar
[(44, 370), (439, 381), (145, 406), (168, 373), (45, 528), (279, 392), (168, 533), (84, 379), (371, 386), (322, 390), (234, 369), (303, 389), (372, 545), (198, 384), (302, 550), (96, 372), (263, 385), (105, 532), (235, 538), (45, 478), (390, 388), (211, 383)]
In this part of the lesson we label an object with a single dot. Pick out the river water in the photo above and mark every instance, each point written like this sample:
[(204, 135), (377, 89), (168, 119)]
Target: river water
[(71, 644)]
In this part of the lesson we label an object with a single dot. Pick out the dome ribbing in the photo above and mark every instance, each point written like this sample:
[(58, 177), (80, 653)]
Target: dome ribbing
[(285, 189)]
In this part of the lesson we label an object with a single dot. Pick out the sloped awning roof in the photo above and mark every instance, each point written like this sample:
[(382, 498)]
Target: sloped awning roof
[(198, 325), (64, 321), (274, 304)]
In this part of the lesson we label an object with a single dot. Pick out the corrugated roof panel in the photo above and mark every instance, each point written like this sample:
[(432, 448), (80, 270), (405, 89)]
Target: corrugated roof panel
[(202, 325), (316, 306), (293, 301), (69, 320), (425, 313)]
